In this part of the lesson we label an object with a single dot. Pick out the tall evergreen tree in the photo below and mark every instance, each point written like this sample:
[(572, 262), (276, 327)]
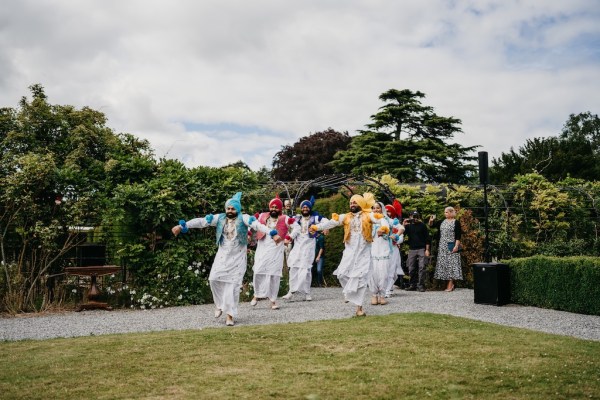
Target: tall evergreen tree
[(409, 141)]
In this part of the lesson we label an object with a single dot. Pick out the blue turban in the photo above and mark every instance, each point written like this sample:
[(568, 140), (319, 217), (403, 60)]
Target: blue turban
[(308, 203), (235, 202)]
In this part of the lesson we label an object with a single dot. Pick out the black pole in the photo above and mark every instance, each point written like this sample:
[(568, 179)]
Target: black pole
[(483, 179)]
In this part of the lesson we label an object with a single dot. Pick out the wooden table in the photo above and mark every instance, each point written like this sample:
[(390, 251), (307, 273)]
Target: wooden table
[(93, 294)]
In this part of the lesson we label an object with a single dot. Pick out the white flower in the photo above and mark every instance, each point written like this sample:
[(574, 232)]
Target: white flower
[(196, 272), (74, 290), (112, 276), (159, 276), (180, 297), (189, 267)]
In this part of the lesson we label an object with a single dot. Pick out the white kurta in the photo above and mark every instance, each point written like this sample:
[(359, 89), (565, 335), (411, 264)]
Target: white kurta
[(228, 269), (381, 251), (268, 265), (355, 266), (395, 268), (301, 256)]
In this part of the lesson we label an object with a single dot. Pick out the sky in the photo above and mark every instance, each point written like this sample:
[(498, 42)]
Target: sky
[(215, 82)]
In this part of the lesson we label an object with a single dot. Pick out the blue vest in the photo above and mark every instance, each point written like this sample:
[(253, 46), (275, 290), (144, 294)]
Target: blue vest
[(314, 219), (240, 228)]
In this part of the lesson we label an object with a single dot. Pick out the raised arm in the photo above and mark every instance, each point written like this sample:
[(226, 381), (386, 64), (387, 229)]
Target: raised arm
[(196, 223)]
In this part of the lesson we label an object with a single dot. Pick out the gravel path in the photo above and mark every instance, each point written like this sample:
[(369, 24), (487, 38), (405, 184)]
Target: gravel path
[(327, 304)]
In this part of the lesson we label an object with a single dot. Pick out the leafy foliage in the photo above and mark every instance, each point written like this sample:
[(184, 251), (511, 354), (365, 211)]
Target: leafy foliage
[(307, 159), (53, 175), (575, 153), (425, 155), (566, 283)]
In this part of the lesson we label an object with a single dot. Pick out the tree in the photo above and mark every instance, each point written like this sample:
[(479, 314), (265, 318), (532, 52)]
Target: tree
[(307, 158), (56, 167), (409, 141), (575, 152)]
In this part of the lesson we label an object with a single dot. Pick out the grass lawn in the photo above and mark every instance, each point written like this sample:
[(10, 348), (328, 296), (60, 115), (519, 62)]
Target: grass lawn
[(400, 356)]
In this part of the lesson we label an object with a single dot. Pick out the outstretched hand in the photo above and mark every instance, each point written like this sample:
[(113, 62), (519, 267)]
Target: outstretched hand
[(176, 230)]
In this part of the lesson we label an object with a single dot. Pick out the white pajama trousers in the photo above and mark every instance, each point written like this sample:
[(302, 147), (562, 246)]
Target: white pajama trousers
[(226, 296)]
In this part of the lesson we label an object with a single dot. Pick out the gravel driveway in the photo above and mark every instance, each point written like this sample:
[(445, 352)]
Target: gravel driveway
[(327, 304)]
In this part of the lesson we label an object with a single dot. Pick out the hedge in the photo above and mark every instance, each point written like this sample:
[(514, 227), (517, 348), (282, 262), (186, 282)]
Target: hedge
[(561, 283)]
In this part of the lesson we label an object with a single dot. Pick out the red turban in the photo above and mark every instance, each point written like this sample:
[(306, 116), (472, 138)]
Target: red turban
[(277, 203)]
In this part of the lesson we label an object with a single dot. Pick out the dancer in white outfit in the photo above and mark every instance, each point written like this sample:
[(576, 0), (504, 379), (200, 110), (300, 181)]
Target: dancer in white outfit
[(302, 255), (394, 211), (268, 260), (381, 252), (229, 266), (355, 266)]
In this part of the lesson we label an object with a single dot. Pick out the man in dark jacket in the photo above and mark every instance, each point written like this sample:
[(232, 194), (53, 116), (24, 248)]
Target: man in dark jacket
[(418, 253)]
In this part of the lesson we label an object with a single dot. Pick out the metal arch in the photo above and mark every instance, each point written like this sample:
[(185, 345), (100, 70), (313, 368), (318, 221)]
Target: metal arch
[(342, 180)]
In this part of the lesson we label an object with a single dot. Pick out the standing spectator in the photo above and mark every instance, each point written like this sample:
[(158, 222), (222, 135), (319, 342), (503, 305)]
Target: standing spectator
[(448, 266), (287, 204), (301, 256), (229, 266), (418, 250), (355, 267), (268, 260)]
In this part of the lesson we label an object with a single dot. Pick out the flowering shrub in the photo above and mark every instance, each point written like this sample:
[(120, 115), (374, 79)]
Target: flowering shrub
[(189, 286)]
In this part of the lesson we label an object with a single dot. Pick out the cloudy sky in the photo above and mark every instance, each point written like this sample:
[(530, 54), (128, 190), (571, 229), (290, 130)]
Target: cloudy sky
[(214, 82)]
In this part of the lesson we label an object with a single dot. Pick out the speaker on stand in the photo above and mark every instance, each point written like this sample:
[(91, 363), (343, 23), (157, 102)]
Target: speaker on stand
[(491, 281)]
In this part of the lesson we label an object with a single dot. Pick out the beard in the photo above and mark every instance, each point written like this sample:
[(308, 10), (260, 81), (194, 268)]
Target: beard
[(274, 214), (305, 213), (231, 215), (354, 209)]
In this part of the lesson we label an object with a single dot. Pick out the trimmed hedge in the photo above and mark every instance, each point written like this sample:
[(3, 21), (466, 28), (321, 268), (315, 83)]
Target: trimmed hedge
[(561, 283)]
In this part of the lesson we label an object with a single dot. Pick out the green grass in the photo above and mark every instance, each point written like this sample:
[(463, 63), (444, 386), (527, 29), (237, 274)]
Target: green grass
[(389, 357)]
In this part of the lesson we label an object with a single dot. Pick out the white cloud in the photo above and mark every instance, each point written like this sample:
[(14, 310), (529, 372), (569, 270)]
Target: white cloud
[(270, 72)]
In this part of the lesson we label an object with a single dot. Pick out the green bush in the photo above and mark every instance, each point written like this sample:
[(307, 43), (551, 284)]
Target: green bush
[(561, 283)]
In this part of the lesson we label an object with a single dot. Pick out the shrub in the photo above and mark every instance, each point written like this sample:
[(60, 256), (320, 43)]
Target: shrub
[(568, 283)]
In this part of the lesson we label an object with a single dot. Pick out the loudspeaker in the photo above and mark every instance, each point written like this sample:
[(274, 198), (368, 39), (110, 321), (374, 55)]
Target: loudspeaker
[(483, 167), (91, 255), (491, 283)]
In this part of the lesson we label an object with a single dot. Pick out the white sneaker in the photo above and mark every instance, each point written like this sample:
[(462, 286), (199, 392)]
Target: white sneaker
[(229, 322), (287, 296), (253, 302), (308, 298), (218, 313), (274, 306)]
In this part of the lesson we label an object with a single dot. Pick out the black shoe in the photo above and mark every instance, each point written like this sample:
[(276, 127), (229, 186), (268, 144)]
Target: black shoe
[(421, 289), (410, 289)]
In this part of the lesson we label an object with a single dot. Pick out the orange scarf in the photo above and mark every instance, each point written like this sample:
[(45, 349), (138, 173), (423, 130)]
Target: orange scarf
[(367, 226)]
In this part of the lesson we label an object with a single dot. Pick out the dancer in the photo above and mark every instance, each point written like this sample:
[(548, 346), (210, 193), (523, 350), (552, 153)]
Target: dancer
[(355, 266), (381, 251), (394, 211), (302, 255), (268, 260), (229, 266)]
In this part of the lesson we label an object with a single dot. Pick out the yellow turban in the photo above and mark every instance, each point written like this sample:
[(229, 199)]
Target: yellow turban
[(365, 202)]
